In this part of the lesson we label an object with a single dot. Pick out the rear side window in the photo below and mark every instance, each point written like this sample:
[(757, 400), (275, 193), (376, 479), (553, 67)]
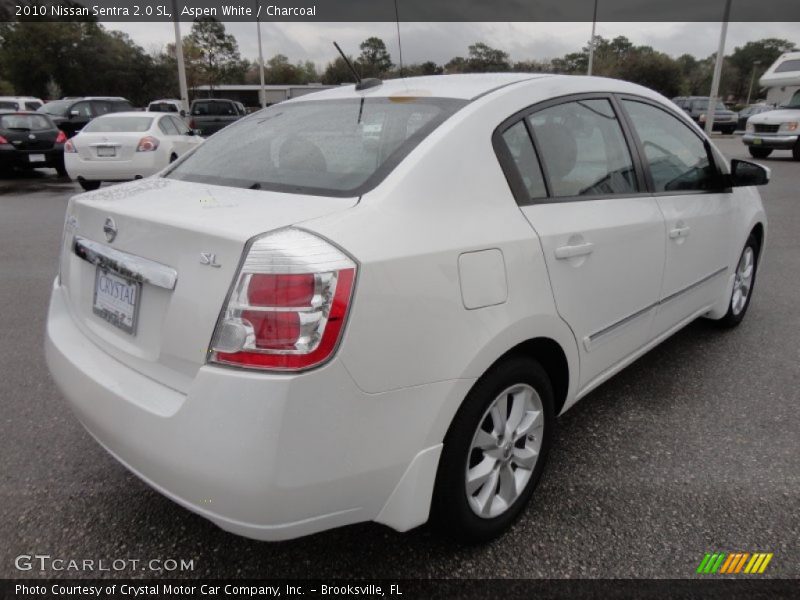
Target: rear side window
[(33, 105), (119, 125), (520, 148), (167, 127), (678, 159), (8, 105), (583, 149), (25, 122), (328, 147)]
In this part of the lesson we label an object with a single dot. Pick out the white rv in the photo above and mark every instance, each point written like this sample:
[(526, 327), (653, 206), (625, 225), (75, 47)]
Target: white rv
[(782, 79)]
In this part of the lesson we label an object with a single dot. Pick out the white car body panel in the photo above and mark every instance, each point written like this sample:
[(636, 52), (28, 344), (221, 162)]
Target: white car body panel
[(278, 455)]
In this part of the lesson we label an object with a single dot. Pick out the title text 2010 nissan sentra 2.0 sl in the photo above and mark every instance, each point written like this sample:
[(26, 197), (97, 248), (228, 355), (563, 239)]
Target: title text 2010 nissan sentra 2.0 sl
[(372, 302)]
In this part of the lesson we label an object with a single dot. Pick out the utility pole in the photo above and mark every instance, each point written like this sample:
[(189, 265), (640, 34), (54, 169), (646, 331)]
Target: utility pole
[(179, 57), (714, 96), (752, 79), (263, 93), (591, 40)]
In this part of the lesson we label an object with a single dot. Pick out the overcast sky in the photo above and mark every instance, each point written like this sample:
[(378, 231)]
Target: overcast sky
[(442, 41)]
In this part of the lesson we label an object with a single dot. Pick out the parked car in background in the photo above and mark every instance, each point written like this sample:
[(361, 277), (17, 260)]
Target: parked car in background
[(777, 129), (697, 107), (167, 106), (749, 111), (372, 304), (128, 145), (30, 140), (210, 115), (20, 103), (72, 114)]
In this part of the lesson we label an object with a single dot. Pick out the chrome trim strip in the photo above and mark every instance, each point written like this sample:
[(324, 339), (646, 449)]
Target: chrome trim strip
[(589, 340), (694, 285), (128, 265)]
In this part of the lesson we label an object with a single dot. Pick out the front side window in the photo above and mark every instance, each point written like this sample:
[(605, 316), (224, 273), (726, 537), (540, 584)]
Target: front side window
[(82, 109), (330, 147), (8, 105), (788, 66), (583, 149), (677, 157), (519, 146)]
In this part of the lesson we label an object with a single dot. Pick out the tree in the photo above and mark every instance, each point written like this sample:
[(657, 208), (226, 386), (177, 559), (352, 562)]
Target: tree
[(219, 57), (337, 72), (484, 58), (374, 60)]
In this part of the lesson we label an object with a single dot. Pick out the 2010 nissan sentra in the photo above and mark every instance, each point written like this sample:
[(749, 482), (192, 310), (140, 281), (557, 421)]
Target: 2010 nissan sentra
[(371, 304)]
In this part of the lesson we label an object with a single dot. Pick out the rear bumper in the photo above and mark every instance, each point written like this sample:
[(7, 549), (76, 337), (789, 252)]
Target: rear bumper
[(143, 164), (11, 157), (770, 140), (266, 456)]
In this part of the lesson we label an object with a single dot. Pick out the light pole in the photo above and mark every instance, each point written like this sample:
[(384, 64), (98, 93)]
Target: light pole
[(179, 58), (591, 40), (714, 96), (752, 78), (261, 61)]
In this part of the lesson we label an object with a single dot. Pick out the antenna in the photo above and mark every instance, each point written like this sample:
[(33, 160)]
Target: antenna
[(349, 64), (361, 84), (399, 43)]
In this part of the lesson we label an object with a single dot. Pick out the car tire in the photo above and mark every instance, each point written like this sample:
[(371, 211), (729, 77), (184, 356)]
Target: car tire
[(729, 130), (61, 169), (89, 185), (479, 512), (760, 152), (744, 283), (796, 151), (173, 157)]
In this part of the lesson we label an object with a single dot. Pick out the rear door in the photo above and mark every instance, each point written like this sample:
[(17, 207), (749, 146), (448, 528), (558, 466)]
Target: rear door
[(602, 236), (698, 215)]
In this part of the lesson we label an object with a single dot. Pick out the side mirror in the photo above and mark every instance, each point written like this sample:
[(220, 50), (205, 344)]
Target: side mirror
[(74, 113), (745, 173), (183, 113), (197, 131)]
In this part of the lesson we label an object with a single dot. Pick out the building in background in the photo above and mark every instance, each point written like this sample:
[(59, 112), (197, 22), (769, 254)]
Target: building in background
[(249, 94)]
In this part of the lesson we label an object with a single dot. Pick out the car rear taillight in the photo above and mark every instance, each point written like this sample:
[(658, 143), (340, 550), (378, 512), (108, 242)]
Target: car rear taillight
[(288, 305), (147, 144), (70, 146), (3, 140), (61, 137)]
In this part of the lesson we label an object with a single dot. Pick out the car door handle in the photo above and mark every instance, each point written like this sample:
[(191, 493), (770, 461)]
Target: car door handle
[(563, 252), (678, 232)]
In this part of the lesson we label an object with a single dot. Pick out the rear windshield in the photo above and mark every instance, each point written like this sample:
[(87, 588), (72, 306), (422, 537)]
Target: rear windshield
[(326, 147), (215, 108), (119, 124), (59, 108), (26, 122), (162, 107)]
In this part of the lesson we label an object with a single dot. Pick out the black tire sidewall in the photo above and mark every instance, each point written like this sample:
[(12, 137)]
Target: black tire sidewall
[(760, 152), (451, 510), (730, 319)]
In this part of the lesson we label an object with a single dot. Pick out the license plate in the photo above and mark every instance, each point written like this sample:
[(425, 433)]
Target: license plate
[(36, 158), (116, 299), (106, 151), (757, 141)]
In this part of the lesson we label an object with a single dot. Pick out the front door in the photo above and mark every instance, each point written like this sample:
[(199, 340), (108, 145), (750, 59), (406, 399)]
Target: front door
[(697, 214)]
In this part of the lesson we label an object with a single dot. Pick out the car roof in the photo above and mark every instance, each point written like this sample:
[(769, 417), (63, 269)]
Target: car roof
[(172, 100), (466, 86), (20, 98)]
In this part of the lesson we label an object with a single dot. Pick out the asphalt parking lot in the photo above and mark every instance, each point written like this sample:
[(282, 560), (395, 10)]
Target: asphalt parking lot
[(695, 448)]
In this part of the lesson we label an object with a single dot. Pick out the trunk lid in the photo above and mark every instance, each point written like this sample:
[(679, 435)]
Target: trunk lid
[(107, 146), (177, 225)]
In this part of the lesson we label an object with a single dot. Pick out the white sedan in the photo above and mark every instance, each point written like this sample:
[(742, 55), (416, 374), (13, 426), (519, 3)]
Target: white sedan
[(126, 145), (372, 304)]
